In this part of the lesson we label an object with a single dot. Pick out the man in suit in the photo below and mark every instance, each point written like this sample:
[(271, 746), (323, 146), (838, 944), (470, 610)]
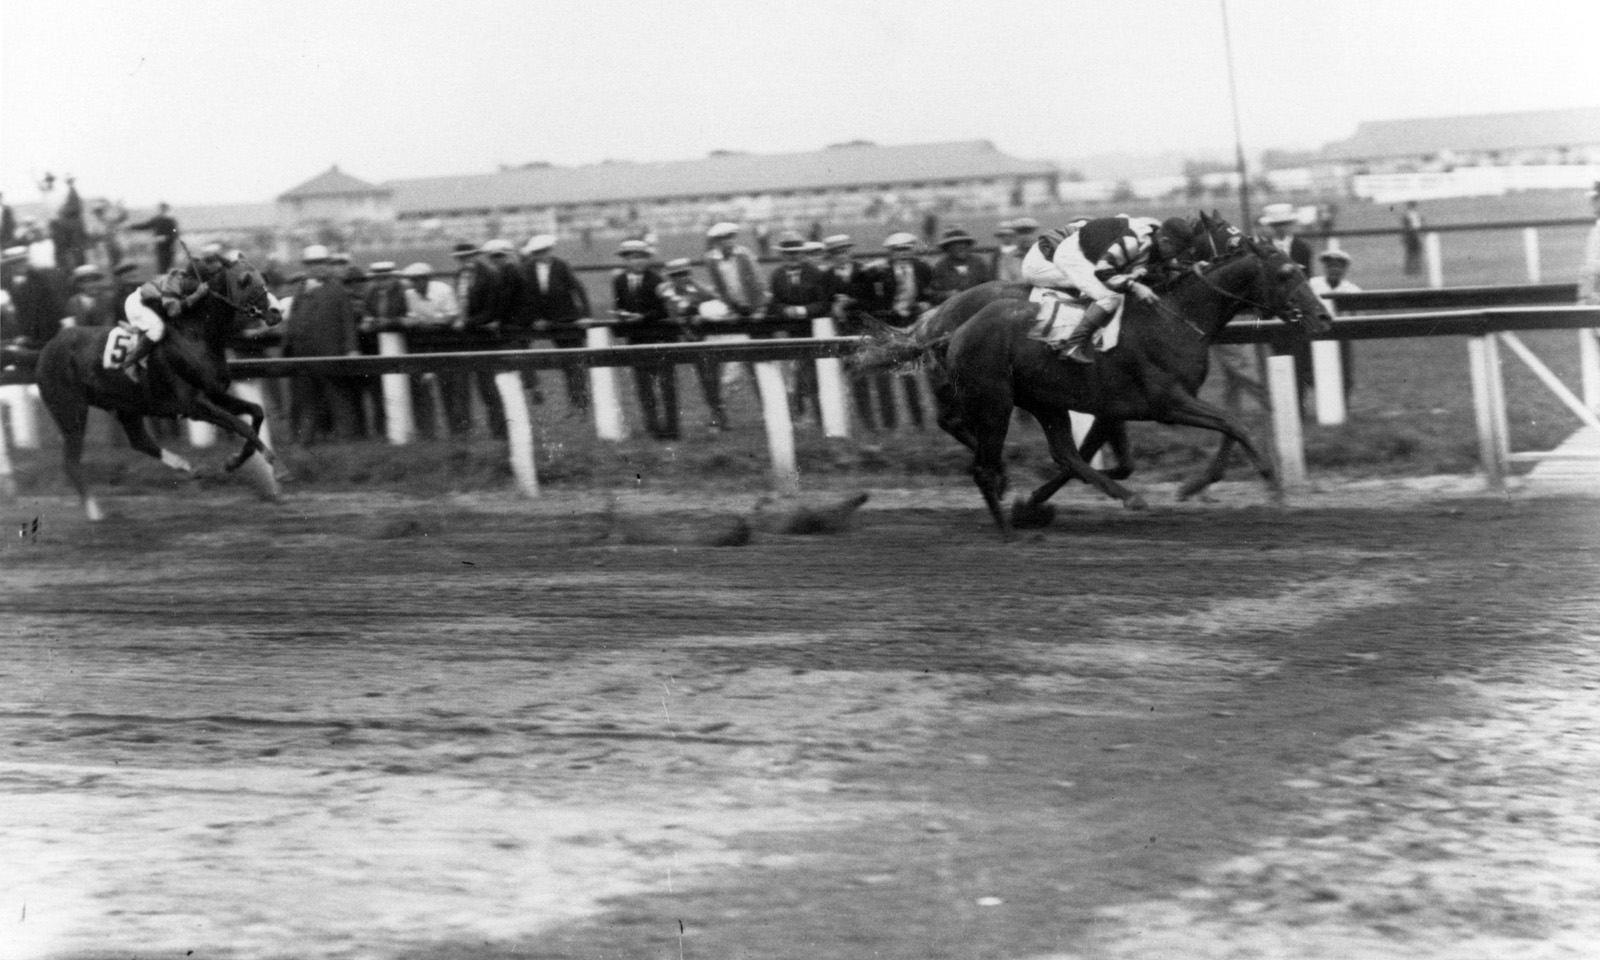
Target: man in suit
[(642, 318), (1280, 222), (901, 294), (735, 275), (852, 284), (554, 300), (322, 324), (903, 282), (687, 303), (799, 291), (165, 229), (958, 269), (496, 287)]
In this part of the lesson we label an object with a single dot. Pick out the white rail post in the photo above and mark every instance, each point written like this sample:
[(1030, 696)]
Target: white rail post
[(19, 400), (519, 430), (780, 428), (603, 392), (8, 482), (1284, 392), (1081, 424), (830, 383), (201, 434), (398, 421), (1430, 245), (1589, 358), (1484, 362), (251, 390), (1530, 252)]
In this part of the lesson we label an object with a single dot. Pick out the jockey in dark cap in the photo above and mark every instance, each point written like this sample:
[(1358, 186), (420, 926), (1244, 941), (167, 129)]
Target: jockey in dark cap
[(1104, 260)]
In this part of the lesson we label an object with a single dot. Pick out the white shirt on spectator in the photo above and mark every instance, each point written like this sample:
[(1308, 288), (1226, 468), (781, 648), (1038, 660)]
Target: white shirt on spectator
[(1324, 291), (541, 269), (438, 305)]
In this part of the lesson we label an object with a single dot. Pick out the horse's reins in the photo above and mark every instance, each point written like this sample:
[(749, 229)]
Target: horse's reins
[(212, 291)]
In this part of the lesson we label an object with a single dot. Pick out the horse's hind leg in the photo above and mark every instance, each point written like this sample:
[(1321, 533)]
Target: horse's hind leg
[(139, 437), (1211, 474), (986, 414)]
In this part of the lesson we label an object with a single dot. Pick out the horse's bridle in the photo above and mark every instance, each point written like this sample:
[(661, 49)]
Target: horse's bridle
[(251, 312), (1261, 308)]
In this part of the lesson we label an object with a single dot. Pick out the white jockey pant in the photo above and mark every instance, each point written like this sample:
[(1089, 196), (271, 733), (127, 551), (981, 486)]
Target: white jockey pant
[(1068, 268), (143, 318)]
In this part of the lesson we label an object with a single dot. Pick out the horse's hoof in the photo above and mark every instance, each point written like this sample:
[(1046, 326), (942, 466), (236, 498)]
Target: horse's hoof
[(1136, 502), (1025, 515)]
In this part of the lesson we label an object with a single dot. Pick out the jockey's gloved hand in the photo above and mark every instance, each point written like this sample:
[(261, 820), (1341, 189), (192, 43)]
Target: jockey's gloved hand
[(1143, 292)]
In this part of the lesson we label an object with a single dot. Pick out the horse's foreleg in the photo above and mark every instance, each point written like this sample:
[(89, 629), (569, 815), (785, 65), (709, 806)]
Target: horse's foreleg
[(205, 407), (1187, 410), (237, 407), (139, 438), (1058, 431), (1114, 432)]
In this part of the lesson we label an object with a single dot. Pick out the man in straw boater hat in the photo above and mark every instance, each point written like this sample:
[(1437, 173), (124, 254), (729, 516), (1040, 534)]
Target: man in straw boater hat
[(322, 323), (642, 318), (800, 291), (735, 275), (556, 300), (957, 269), (1335, 265), (688, 304), (1280, 220)]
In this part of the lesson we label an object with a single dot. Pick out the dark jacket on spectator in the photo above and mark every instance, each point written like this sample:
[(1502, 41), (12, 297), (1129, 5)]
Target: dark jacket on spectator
[(91, 310), (799, 285), (322, 323), (885, 285), (562, 301), (949, 277), (645, 300), (386, 299)]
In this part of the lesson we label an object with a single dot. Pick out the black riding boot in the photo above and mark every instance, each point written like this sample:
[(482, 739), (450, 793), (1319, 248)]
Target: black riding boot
[(1077, 345)]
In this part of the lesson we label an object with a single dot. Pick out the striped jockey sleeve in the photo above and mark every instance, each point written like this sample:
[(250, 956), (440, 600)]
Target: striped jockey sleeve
[(1123, 262)]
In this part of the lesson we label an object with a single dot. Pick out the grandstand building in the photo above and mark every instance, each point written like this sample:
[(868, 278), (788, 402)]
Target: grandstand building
[(852, 181)]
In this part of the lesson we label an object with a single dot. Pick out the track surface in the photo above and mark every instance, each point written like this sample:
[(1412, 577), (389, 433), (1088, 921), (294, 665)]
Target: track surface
[(1364, 726)]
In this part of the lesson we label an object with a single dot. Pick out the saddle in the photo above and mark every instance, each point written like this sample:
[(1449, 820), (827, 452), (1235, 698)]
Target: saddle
[(1060, 311)]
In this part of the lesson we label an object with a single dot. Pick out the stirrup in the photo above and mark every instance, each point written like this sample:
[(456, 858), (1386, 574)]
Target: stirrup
[(1081, 352)]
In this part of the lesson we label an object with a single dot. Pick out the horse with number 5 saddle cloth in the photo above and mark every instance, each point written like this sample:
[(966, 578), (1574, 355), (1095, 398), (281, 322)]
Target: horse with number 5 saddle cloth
[(184, 375)]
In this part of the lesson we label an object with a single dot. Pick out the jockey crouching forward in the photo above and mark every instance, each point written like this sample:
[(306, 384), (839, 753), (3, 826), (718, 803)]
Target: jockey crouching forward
[(1103, 260), (149, 307)]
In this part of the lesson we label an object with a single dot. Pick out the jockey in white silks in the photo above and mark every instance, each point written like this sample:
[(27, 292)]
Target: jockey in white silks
[(1103, 260), (149, 307)]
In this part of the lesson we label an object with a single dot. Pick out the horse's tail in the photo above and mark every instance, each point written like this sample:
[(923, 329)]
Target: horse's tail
[(886, 348)]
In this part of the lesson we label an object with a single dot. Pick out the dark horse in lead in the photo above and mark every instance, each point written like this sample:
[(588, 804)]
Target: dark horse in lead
[(1154, 373), (186, 375)]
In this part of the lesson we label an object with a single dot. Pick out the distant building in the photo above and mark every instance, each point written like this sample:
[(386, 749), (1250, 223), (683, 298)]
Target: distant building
[(851, 181), (1491, 153), (335, 197)]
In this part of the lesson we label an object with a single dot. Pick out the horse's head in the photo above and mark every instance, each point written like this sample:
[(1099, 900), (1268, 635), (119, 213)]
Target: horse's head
[(1283, 289), (237, 284)]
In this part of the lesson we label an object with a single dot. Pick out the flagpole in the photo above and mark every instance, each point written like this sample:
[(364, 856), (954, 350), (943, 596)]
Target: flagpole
[(1238, 138)]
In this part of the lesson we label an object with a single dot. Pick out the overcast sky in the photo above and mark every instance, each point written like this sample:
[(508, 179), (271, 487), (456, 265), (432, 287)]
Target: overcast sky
[(214, 101)]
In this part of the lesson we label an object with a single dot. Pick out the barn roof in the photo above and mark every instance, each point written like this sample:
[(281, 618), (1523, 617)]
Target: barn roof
[(1376, 139), (722, 174), (332, 182)]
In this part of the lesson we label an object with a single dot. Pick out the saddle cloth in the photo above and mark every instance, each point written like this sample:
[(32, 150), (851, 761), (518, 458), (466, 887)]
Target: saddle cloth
[(119, 343), (1060, 313)]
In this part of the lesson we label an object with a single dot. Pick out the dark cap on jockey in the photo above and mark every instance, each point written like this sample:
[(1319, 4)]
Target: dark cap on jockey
[(1175, 236)]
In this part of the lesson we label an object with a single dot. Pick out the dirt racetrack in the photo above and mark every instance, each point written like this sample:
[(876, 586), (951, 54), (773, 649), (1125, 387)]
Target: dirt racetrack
[(344, 726)]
